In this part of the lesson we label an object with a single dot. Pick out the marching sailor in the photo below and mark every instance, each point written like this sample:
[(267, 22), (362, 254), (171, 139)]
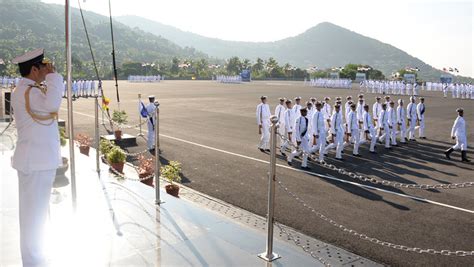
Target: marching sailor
[(297, 106), (37, 154), (411, 116), (458, 132), (302, 140), (402, 126), (353, 129), (280, 113), (337, 131), (289, 126), (392, 122), (369, 130), (151, 111), (319, 132), (420, 111), (263, 121), (384, 131)]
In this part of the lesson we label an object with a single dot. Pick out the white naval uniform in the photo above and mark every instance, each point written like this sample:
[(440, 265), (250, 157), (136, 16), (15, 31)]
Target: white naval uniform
[(411, 116), (263, 119), (319, 134), (326, 109), (384, 126), (337, 129), (376, 109), (392, 123), (353, 129), (151, 123), (420, 112), (302, 135), (280, 113), (459, 131), (36, 158), (368, 128), (401, 123), (289, 128)]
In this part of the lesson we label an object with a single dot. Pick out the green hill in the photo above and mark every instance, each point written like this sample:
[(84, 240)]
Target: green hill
[(32, 24), (325, 45)]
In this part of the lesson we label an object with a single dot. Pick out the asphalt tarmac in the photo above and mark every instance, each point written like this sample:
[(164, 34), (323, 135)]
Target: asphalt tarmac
[(211, 129)]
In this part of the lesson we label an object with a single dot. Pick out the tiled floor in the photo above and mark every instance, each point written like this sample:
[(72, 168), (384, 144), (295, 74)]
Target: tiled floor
[(117, 224)]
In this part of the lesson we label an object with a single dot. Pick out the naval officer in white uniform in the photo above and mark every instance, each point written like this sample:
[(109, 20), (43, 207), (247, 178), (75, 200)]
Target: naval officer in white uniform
[(37, 154), (263, 120), (458, 132)]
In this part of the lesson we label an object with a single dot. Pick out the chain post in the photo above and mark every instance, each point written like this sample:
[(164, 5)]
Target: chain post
[(157, 154), (97, 135), (269, 255)]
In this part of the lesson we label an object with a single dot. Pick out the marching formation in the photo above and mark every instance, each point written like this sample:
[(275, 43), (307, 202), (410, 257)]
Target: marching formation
[(389, 87), (145, 79), (317, 127), (458, 90), (228, 79), (81, 88), (7, 81), (331, 83)]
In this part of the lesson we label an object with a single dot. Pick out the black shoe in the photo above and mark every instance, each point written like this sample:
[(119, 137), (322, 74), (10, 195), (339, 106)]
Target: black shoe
[(305, 168), (373, 152), (388, 148), (464, 156), (414, 140), (261, 150), (267, 150), (342, 152), (297, 157), (283, 154), (356, 155), (423, 137), (448, 152), (289, 163), (395, 145), (340, 159)]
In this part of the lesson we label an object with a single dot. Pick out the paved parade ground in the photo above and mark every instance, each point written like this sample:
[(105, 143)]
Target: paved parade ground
[(211, 129)]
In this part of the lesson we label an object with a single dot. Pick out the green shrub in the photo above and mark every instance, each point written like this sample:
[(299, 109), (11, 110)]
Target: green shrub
[(171, 172), (120, 117), (105, 146), (62, 136), (116, 155)]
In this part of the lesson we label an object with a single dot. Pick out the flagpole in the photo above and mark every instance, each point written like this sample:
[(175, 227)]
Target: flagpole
[(69, 102)]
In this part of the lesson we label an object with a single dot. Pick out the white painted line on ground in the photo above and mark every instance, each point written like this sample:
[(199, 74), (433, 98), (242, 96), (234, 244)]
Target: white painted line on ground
[(303, 171)]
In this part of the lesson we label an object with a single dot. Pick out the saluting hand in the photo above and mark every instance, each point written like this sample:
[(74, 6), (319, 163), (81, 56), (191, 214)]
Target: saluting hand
[(50, 68)]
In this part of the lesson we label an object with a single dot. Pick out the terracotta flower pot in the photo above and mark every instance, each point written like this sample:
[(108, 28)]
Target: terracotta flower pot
[(148, 181), (118, 135), (118, 166), (84, 150), (172, 189)]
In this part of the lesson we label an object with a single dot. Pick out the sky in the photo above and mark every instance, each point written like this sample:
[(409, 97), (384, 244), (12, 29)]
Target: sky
[(439, 32)]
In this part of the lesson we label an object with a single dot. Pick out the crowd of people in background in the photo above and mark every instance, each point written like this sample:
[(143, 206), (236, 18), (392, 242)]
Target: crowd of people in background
[(320, 126), (7, 81), (228, 79), (145, 79), (389, 87), (457, 90), (331, 83), (82, 88)]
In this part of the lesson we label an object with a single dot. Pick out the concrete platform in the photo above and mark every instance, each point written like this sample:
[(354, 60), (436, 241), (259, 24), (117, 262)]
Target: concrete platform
[(117, 224)]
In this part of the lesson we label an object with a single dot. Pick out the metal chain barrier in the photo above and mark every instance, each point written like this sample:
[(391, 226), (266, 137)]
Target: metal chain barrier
[(136, 154), (125, 126), (298, 243), (378, 181), (373, 240)]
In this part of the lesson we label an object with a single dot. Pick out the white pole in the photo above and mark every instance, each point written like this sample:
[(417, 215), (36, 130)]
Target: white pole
[(157, 154), (140, 115), (69, 103)]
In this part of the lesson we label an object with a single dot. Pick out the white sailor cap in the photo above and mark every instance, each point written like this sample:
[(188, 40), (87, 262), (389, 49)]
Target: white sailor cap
[(151, 97), (31, 57)]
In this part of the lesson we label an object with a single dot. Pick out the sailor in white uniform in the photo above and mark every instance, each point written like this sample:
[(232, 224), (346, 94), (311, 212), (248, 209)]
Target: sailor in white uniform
[(353, 129), (411, 116), (263, 121), (458, 132), (420, 112), (392, 123), (337, 132), (280, 113), (297, 106), (151, 111), (302, 139), (384, 130), (290, 119), (402, 126), (319, 132), (369, 130), (37, 154)]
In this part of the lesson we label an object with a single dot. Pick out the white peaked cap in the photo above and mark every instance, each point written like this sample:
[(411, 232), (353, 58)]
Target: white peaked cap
[(31, 55)]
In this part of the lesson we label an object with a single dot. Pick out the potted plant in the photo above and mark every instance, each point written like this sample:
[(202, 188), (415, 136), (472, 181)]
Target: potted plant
[(145, 169), (171, 173), (116, 158), (84, 142), (105, 146), (120, 118), (61, 180)]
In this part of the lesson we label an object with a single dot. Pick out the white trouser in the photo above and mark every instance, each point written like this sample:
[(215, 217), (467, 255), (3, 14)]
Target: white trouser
[(411, 129), (150, 143), (461, 143), (373, 139), (385, 136), (356, 138), (403, 129), (281, 131), (265, 136), (320, 145), (421, 129), (393, 135), (304, 147), (338, 144), (34, 192)]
